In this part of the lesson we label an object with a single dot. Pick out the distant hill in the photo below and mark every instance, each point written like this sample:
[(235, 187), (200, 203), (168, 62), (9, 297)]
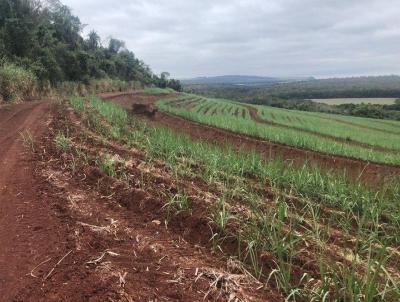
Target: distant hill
[(354, 87), (239, 79)]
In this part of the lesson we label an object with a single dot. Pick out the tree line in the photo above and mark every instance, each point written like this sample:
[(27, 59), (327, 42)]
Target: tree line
[(355, 87), (45, 38)]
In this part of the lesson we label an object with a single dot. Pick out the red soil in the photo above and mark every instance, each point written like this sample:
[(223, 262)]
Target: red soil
[(29, 230)]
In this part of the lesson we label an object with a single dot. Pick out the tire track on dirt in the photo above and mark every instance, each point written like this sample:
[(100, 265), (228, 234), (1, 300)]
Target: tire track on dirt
[(28, 229)]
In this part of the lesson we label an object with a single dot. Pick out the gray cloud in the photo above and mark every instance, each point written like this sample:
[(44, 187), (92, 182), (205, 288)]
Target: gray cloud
[(260, 37)]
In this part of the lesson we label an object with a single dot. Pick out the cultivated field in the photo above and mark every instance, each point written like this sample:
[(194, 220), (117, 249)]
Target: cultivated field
[(339, 101), (303, 233), (359, 138), (142, 204)]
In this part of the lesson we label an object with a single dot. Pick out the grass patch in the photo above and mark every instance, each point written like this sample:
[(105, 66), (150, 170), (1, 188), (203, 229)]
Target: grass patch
[(16, 83)]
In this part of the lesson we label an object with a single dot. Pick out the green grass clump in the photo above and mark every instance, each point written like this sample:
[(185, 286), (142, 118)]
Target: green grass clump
[(61, 142), (176, 203), (107, 165)]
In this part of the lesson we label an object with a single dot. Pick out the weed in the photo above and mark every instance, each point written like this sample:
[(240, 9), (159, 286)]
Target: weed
[(220, 214), (61, 142), (176, 203), (107, 165), (28, 140)]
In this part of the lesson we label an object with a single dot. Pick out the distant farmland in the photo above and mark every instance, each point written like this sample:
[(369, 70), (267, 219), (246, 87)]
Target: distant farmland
[(339, 101)]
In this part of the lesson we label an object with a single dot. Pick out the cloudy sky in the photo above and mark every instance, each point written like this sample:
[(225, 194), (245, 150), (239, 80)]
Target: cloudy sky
[(191, 38)]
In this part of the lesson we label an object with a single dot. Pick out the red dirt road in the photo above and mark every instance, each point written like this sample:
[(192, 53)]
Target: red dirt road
[(23, 214)]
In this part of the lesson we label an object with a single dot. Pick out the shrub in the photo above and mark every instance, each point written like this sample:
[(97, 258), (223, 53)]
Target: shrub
[(61, 142), (16, 83)]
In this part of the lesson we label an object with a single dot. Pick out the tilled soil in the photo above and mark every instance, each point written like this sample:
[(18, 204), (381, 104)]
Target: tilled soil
[(356, 169), (75, 234)]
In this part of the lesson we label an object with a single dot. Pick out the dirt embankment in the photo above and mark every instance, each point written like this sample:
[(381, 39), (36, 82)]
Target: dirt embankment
[(357, 169)]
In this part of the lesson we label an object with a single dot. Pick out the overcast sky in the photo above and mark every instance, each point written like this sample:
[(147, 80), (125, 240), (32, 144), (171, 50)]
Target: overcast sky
[(190, 38)]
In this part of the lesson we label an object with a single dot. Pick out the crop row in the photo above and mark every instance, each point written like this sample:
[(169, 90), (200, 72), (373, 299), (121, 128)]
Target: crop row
[(289, 136), (334, 126)]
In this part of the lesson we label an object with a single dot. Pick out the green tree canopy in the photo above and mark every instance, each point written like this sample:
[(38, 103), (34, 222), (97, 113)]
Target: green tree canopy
[(46, 38)]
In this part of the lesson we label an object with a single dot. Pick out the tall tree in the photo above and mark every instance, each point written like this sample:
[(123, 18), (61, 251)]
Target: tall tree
[(93, 41), (115, 45)]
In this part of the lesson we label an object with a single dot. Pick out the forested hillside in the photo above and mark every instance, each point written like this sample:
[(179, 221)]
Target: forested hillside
[(41, 43)]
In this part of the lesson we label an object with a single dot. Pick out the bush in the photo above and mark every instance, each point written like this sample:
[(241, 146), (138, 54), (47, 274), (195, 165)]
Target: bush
[(16, 83)]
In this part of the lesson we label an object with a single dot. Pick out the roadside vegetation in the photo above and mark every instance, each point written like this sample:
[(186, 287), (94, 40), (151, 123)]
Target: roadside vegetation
[(310, 234), (157, 90), (16, 83), (367, 139)]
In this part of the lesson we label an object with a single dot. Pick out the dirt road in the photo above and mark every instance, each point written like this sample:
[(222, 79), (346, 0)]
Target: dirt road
[(23, 214)]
